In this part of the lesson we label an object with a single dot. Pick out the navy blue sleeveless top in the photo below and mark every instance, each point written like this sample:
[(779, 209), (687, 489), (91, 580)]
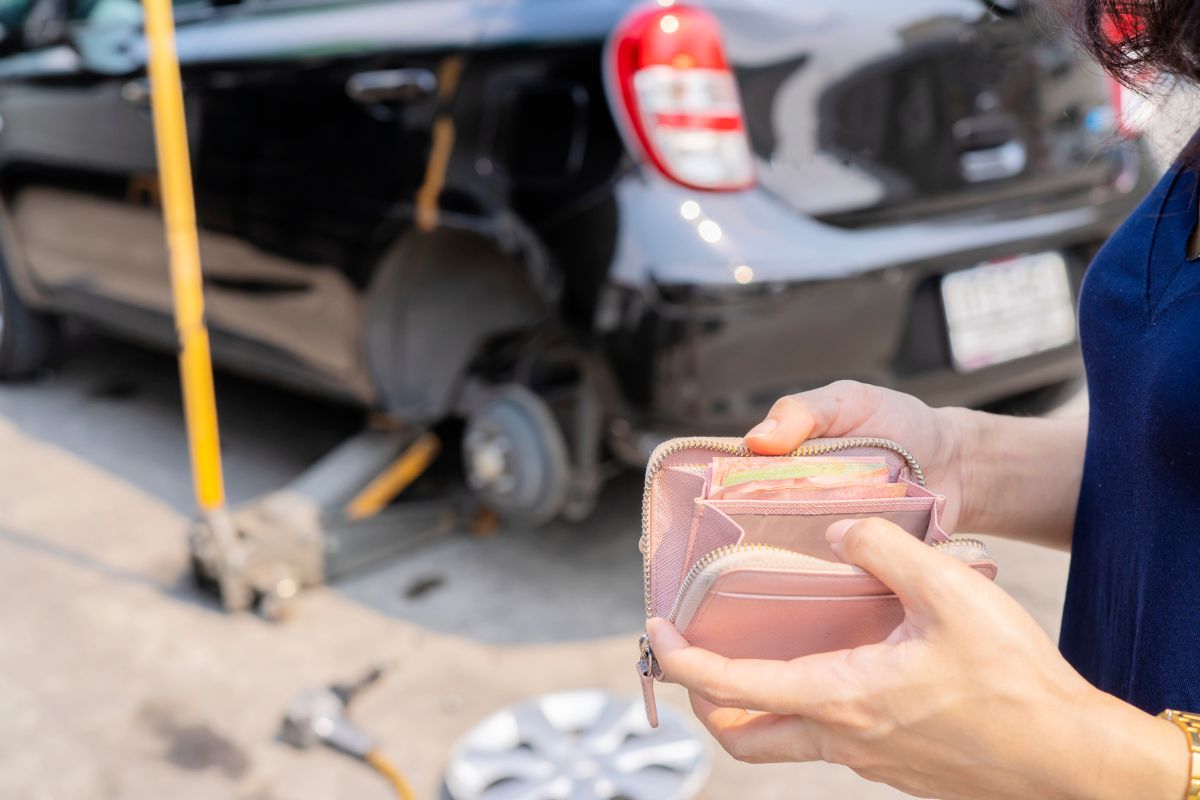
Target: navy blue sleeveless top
[(1131, 624)]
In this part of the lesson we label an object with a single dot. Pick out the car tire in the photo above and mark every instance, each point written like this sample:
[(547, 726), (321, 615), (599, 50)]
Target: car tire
[(28, 339)]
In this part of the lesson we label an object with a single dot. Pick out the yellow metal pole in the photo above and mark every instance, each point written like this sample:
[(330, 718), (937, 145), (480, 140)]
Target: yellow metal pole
[(175, 180)]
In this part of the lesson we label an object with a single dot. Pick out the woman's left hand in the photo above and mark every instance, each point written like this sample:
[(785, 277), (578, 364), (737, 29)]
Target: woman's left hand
[(967, 698)]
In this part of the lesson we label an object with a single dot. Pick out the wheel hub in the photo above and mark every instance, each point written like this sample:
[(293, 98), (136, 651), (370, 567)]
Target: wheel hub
[(489, 462), (515, 456)]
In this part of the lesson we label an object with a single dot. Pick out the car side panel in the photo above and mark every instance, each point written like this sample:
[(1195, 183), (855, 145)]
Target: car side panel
[(299, 187)]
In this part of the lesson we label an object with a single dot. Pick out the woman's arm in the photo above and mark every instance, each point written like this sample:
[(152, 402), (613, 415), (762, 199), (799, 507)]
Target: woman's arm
[(1003, 475), (1020, 476)]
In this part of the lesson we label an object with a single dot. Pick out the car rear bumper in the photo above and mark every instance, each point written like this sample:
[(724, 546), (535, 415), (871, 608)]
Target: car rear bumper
[(938, 388), (712, 362), (701, 346)]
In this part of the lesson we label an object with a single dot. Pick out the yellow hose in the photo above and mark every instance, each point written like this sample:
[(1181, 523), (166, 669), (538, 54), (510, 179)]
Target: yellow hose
[(388, 770)]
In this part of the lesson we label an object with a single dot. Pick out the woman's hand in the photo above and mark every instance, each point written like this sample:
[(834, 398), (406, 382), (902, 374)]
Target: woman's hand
[(968, 698), (848, 408), (1004, 475)]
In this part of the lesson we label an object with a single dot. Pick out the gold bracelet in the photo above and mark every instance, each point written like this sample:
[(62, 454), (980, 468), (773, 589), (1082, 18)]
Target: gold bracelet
[(1190, 725)]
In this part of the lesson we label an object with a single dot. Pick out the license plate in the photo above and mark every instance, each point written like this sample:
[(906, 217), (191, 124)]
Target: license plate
[(999, 311)]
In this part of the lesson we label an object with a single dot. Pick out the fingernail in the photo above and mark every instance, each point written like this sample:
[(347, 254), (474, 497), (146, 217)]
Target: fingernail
[(837, 531), (764, 428)]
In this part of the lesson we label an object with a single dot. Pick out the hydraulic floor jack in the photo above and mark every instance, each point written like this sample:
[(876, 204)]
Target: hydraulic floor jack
[(334, 518), (328, 520)]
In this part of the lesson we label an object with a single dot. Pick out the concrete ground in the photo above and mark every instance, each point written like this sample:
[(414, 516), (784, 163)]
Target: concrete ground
[(119, 681)]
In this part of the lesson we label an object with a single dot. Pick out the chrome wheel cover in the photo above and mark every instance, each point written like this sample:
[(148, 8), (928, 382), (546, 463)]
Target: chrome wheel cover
[(578, 745)]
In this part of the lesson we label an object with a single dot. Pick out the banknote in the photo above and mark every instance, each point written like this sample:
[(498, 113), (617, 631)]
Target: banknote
[(819, 477), (848, 491)]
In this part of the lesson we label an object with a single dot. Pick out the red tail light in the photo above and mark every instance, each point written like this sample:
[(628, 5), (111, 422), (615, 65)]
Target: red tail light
[(679, 97), (1130, 109), (1120, 28), (1118, 95)]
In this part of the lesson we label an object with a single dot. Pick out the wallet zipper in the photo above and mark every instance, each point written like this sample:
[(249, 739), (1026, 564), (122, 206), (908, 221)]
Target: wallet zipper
[(784, 558), (647, 666)]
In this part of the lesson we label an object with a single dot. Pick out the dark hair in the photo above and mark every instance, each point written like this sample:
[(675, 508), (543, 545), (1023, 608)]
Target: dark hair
[(1132, 37)]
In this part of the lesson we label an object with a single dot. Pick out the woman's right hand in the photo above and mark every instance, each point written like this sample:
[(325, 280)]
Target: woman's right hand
[(936, 437), (967, 698)]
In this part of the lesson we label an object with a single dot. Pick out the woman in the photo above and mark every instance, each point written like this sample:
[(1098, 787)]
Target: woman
[(968, 698)]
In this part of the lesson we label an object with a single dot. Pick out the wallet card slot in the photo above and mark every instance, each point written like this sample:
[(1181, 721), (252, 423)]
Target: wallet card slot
[(666, 549), (913, 494), (807, 507), (739, 625), (805, 533), (917, 513), (796, 525), (711, 529)]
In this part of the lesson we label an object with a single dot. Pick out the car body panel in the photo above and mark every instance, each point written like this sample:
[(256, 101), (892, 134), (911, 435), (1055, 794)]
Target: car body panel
[(304, 187), (299, 188), (914, 107), (660, 245)]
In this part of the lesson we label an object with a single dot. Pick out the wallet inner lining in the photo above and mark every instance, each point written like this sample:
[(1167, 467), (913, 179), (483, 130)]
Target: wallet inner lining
[(794, 524)]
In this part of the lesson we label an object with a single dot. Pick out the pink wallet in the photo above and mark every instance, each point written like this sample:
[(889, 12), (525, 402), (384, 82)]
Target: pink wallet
[(756, 578)]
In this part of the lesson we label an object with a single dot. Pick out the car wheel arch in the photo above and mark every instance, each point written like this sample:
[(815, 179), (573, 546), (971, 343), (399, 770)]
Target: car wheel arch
[(436, 298)]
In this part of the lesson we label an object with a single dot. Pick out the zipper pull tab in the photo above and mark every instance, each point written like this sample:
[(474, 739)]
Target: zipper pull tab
[(648, 671)]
